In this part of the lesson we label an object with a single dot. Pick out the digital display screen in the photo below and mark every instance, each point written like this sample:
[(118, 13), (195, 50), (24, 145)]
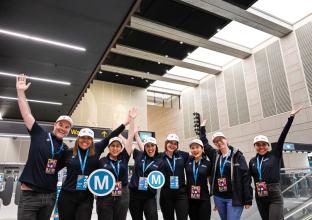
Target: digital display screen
[(288, 146), (144, 134)]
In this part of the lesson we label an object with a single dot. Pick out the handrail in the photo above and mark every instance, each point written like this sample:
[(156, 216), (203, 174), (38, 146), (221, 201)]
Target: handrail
[(298, 208), (289, 187)]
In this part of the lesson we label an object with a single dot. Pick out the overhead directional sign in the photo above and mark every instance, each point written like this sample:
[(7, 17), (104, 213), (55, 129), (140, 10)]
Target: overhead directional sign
[(101, 182)]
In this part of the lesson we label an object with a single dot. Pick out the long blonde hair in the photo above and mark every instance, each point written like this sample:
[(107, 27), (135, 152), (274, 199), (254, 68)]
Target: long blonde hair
[(75, 149)]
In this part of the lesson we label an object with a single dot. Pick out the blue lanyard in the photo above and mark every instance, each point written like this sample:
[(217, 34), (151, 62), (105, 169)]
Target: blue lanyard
[(116, 171), (195, 171), (222, 164), (52, 147), (144, 169), (174, 164), (259, 167), (83, 165)]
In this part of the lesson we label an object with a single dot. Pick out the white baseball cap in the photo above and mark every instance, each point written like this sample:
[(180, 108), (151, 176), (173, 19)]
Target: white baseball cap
[(65, 118), (259, 138), (218, 134), (172, 137), (86, 132), (150, 140), (196, 141), (115, 139)]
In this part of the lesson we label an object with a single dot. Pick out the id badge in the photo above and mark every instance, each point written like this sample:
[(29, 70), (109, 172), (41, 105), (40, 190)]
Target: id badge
[(174, 182), (195, 192), (81, 182), (262, 189), (222, 185), (51, 166), (143, 184), (117, 191)]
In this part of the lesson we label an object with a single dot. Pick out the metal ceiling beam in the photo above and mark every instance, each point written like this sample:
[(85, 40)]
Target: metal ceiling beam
[(177, 35), (265, 23), (140, 74), (132, 52)]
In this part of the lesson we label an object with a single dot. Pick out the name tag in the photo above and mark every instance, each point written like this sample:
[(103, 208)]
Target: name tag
[(51, 166), (117, 191), (262, 189), (143, 184), (81, 182), (222, 185), (174, 182), (195, 192)]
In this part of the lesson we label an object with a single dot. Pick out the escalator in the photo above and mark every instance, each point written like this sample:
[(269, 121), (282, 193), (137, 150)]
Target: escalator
[(297, 192)]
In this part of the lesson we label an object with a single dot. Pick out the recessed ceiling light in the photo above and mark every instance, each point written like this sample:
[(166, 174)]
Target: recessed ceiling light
[(166, 56), (146, 80), (147, 72), (158, 62), (116, 75), (132, 77), (218, 29), (32, 100), (181, 42), (42, 40), (100, 72), (36, 78)]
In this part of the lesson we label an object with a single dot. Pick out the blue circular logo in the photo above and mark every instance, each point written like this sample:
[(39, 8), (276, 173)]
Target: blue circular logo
[(101, 182), (156, 179)]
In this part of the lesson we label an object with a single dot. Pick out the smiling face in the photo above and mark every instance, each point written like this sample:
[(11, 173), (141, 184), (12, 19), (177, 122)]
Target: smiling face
[(262, 147), (171, 146), (115, 148), (150, 149), (220, 143), (61, 129), (196, 150), (85, 142)]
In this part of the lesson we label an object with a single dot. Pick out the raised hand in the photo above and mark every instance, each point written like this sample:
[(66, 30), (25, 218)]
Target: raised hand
[(133, 112), (295, 111), (203, 123), (21, 83), (131, 115)]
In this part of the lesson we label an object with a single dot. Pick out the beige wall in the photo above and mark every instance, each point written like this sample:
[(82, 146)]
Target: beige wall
[(165, 120), (106, 105)]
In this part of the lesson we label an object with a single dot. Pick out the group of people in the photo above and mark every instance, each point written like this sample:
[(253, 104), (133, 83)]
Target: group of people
[(188, 175)]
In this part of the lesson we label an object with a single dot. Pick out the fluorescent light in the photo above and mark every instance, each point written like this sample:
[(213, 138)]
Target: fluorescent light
[(241, 34), (186, 73), (288, 10), (36, 78), (168, 85), (209, 56), (32, 100), (42, 40)]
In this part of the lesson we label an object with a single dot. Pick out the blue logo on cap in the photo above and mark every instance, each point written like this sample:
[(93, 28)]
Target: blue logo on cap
[(156, 179), (101, 182)]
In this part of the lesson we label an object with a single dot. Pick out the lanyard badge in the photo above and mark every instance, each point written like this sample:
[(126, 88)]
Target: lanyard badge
[(82, 179), (143, 184), (174, 180), (195, 190), (117, 191), (222, 183), (261, 186), (51, 164)]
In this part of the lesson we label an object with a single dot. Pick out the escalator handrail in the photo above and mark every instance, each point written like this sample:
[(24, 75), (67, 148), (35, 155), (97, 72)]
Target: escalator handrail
[(295, 183)]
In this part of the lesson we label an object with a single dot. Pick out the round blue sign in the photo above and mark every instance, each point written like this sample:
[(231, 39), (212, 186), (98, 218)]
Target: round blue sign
[(156, 179), (101, 182)]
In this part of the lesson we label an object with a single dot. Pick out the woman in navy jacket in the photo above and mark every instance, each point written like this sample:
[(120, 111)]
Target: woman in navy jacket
[(230, 182), (198, 169), (265, 168)]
